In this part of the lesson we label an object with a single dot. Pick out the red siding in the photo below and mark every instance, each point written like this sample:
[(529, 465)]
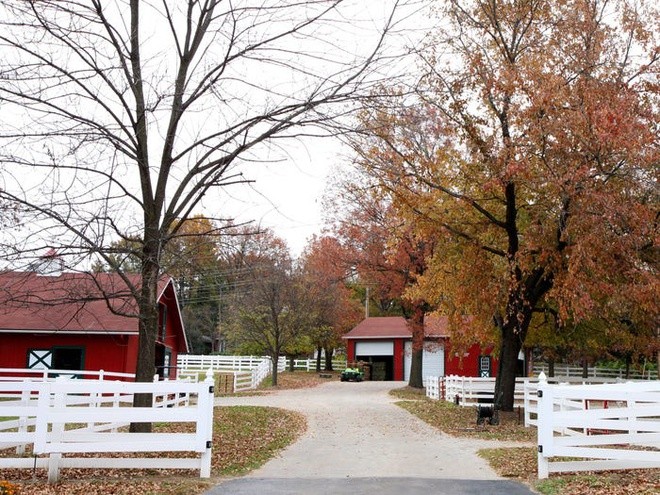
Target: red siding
[(350, 350), (468, 364), (106, 352), (398, 359)]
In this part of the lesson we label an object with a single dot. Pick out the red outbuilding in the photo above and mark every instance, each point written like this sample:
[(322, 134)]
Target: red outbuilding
[(386, 343), (77, 321)]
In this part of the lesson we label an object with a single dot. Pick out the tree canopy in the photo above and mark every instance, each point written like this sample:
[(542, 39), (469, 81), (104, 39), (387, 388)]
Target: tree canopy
[(532, 144)]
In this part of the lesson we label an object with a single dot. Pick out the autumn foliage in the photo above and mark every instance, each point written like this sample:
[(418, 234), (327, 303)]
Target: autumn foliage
[(531, 148)]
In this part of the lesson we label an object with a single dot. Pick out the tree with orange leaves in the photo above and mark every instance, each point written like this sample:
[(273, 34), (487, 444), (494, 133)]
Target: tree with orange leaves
[(334, 310), (533, 146), (387, 255)]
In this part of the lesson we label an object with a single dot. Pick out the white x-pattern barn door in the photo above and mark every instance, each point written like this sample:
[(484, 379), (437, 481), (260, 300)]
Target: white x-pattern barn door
[(40, 359)]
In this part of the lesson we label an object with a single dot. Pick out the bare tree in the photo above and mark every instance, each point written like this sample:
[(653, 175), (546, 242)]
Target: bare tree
[(269, 307), (120, 117)]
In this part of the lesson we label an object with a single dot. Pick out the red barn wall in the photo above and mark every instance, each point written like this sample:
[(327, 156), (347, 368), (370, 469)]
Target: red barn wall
[(398, 359), (174, 333), (468, 364), (107, 352), (350, 350)]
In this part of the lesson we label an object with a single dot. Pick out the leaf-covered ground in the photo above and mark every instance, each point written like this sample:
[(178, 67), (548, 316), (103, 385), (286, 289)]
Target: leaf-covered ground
[(244, 438), (298, 379), (520, 463), (462, 421)]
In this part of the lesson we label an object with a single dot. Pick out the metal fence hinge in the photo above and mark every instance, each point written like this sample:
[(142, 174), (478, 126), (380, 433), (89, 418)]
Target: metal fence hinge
[(209, 444), (211, 389), (540, 449), (539, 393)]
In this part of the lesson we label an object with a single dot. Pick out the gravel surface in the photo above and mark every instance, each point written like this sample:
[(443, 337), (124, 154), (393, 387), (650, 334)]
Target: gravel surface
[(356, 438)]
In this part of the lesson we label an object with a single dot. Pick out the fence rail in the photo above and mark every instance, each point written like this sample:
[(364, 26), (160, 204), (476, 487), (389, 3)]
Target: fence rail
[(10, 374), (612, 426), (39, 412), (471, 391), (310, 364), (192, 362), (248, 371), (468, 391), (565, 370)]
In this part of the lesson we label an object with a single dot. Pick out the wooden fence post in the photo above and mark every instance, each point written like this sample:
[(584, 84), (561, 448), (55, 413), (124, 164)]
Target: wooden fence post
[(544, 426), (205, 403), (23, 420), (57, 429), (526, 404)]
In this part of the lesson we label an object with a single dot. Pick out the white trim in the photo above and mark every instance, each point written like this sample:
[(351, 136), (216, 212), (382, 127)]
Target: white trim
[(178, 311)]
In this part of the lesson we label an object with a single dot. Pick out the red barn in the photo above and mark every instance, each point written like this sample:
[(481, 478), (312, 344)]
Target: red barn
[(386, 343), (81, 322)]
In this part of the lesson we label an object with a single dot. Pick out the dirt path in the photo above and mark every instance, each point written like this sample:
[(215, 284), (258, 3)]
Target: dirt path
[(356, 436)]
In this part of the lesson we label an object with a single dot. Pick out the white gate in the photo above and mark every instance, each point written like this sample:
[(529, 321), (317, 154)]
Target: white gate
[(612, 426)]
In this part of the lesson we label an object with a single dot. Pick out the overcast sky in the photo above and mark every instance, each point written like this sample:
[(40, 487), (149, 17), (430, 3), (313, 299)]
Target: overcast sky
[(287, 194)]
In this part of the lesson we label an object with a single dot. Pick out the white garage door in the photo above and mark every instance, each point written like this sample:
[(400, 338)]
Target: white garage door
[(374, 348), (433, 360)]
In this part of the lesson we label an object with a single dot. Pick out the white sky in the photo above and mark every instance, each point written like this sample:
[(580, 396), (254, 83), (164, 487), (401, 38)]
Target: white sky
[(287, 195)]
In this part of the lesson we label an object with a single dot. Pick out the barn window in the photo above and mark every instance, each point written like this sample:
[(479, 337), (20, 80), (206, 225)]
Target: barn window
[(59, 358), (68, 358)]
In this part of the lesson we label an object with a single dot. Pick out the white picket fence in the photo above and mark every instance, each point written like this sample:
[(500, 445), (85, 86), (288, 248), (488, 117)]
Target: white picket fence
[(248, 371), (66, 416), (310, 364), (470, 391), (434, 387), (467, 390), (200, 362), (10, 374), (612, 426), (566, 370)]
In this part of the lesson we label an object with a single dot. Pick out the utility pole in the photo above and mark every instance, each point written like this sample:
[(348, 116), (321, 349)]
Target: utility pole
[(366, 304)]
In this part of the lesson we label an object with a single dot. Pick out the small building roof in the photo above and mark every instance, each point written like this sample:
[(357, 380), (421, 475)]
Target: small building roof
[(396, 327)]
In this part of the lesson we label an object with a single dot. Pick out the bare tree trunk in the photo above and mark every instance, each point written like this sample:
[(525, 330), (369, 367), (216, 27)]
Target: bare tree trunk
[(275, 357), (416, 323), (505, 383), (318, 359), (148, 328), (328, 358)]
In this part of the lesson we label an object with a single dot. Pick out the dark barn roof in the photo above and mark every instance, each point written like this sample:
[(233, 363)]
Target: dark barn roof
[(70, 303)]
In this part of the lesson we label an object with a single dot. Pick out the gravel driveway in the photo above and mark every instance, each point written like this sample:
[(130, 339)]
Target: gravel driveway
[(358, 441)]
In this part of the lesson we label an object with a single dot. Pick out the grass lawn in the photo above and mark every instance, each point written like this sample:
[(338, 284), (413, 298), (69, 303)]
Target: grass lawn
[(298, 379), (520, 463)]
